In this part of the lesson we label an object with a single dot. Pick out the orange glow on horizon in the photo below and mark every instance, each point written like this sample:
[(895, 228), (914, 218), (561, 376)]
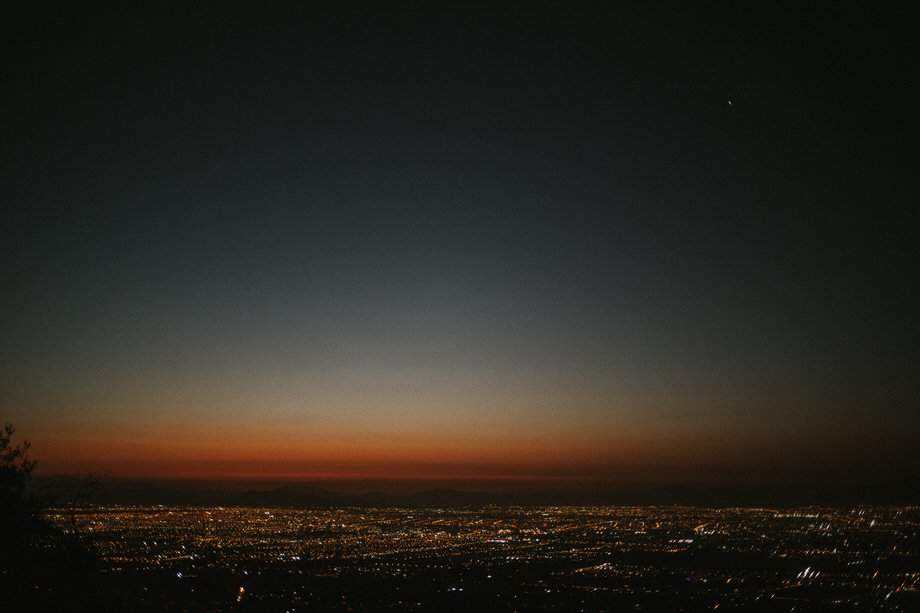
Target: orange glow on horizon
[(621, 450), (490, 457)]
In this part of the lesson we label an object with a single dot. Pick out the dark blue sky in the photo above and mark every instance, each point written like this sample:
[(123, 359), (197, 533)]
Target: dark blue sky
[(540, 241)]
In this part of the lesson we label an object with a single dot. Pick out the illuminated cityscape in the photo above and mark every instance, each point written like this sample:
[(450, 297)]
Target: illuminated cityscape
[(507, 558), (459, 307)]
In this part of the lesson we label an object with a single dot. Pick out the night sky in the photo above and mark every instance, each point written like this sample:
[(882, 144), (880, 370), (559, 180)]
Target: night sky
[(547, 243)]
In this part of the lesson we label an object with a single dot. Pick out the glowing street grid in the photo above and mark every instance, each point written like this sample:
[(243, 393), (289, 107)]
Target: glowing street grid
[(513, 558)]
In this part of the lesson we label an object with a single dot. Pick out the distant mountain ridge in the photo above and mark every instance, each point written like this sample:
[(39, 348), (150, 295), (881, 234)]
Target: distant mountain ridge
[(61, 490)]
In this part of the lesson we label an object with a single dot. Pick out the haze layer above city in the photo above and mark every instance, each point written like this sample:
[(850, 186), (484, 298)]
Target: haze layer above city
[(548, 246)]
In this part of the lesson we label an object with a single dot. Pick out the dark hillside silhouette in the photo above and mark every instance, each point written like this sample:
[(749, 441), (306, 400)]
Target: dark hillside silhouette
[(17, 515), (42, 568)]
